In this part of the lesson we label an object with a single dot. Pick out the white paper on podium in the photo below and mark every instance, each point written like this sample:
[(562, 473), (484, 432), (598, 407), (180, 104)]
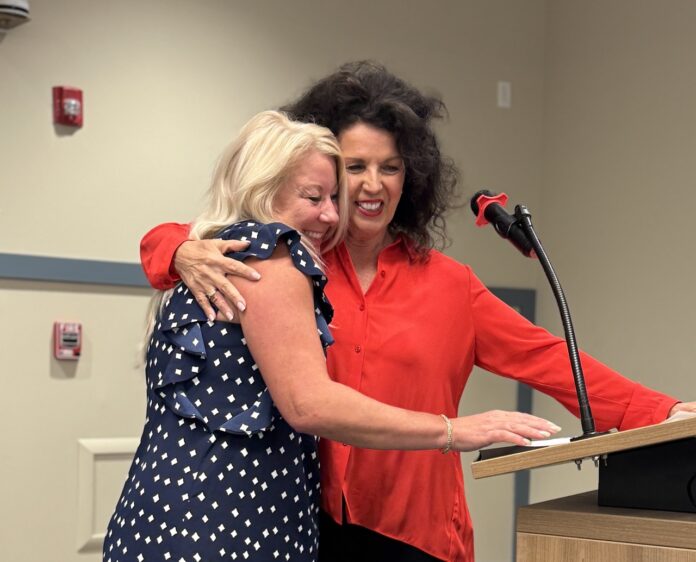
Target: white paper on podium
[(499, 451), (550, 442)]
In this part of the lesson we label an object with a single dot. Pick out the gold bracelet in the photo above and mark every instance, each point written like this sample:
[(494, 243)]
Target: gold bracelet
[(448, 447)]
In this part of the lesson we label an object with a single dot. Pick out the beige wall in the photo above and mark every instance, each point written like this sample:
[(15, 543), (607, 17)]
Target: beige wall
[(618, 192), (166, 84), (599, 143)]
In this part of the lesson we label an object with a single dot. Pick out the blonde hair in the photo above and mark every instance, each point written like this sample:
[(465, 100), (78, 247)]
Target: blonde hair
[(257, 164), (250, 173)]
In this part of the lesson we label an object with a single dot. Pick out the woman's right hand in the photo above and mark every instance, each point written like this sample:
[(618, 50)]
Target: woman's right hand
[(471, 433), (202, 265)]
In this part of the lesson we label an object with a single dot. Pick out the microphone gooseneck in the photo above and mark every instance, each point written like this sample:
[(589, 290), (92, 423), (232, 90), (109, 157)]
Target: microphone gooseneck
[(518, 228), (524, 218)]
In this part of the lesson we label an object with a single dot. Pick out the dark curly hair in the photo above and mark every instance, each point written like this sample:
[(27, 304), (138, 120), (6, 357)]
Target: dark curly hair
[(365, 91)]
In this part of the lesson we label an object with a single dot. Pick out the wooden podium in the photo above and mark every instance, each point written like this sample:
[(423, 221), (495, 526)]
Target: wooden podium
[(578, 528)]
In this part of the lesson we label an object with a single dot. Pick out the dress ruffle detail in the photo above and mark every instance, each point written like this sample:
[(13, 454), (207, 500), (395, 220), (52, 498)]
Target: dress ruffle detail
[(180, 335), (263, 239)]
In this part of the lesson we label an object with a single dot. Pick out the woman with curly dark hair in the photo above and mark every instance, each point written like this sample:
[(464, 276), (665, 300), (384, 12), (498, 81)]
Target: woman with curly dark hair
[(365, 92), (409, 326)]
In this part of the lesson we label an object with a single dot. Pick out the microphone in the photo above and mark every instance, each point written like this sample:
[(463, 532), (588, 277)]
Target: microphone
[(520, 231), (488, 208)]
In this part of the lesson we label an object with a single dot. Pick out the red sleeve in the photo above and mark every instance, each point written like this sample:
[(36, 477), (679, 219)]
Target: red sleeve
[(509, 345), (157, 249)]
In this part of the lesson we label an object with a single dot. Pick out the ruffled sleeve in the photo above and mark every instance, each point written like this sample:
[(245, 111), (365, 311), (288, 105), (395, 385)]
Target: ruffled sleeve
[(263, 239), (188, 352)]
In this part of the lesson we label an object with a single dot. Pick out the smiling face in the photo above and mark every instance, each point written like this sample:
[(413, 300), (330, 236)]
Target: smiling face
[(307, 200), (376, 174)]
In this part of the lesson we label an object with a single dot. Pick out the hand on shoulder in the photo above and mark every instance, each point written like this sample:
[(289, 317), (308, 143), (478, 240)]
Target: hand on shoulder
[(204, 268)]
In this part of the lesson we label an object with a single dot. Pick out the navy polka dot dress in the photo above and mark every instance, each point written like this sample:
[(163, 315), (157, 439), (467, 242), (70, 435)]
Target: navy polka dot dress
[(219, 474)]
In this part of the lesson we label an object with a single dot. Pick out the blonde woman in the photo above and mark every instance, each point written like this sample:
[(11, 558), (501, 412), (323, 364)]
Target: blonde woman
[(227, 467)]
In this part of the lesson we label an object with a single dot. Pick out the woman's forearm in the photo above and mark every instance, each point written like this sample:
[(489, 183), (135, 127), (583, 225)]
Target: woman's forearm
[(337, 412)]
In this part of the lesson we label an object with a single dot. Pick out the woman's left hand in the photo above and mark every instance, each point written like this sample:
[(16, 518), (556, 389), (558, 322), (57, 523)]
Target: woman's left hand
[(682, 407)]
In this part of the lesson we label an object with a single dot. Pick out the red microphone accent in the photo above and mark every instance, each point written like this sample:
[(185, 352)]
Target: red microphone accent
[(483, 202)]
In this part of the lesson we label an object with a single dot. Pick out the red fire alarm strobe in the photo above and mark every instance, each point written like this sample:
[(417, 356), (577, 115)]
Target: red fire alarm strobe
[(67, 340), (67, 106)]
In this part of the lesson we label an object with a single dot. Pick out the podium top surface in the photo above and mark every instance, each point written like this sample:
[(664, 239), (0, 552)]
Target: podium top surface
[(586, 448), (579, 516)]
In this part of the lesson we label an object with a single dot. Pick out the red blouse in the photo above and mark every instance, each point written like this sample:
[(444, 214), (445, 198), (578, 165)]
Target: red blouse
[(412, 341)]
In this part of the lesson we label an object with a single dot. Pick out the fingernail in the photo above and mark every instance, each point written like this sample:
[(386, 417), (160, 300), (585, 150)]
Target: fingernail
[(555, 427), (230, 316), (256, 275), (211, 317), (527, 442), (241, 306), (545, 433)]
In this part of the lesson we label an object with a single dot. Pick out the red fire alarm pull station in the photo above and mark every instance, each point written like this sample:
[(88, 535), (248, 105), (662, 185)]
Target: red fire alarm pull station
[(67, 106), (67, 340)]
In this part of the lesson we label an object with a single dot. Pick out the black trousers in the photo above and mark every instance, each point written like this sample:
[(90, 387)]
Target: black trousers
[(352, 543)]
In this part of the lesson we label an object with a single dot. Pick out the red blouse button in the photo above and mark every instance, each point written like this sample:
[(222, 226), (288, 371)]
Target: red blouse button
[(383, 273), (358, 349), (362, 307)]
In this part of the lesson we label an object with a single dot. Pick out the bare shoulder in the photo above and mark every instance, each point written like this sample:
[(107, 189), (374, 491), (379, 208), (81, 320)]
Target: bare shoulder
[(279, 320), (280, 279)]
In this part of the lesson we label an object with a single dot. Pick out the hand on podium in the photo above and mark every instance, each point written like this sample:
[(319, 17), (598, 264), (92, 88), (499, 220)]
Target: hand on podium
[(682, 407), (497, 426)]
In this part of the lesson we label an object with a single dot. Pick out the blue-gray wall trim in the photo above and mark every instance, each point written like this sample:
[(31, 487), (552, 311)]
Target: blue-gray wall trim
[(67, 270)]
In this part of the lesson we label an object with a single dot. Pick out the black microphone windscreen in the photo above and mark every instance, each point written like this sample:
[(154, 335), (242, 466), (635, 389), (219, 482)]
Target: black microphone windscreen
[(475, 198)]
